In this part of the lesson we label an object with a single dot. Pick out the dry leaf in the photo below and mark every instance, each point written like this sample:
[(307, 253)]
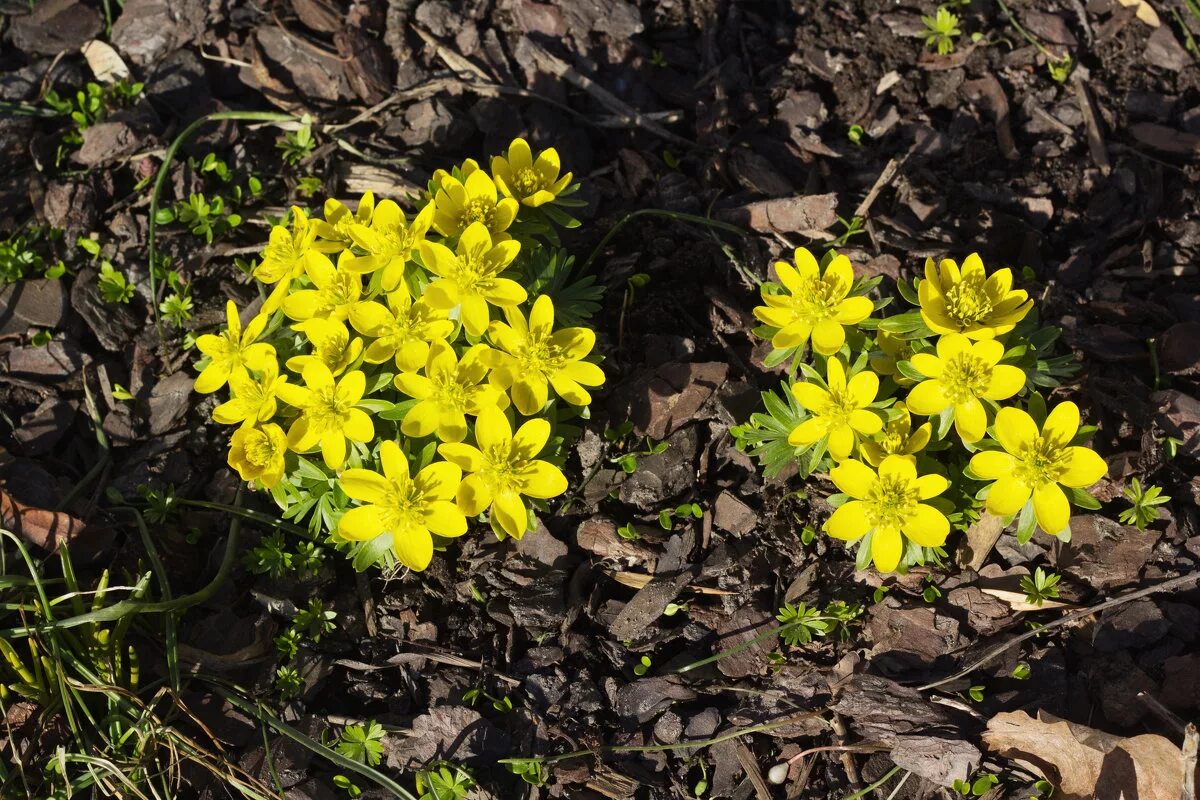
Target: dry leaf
[(1145, 11), (46, 529), (104, 61), (1084, 763), (1017, 600)]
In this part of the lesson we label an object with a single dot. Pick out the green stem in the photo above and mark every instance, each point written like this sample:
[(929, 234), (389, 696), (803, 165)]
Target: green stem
[(658, 212), (161, 178), (126, 607), (778, 629), (868, 789), (247, 513), (1029, 37)]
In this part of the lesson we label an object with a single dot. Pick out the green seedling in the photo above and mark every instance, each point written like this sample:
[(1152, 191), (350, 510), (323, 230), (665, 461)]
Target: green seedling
[(295, 146), (363, 743), (666, 517), (1039, 588), (1145, 500), (941, 30)]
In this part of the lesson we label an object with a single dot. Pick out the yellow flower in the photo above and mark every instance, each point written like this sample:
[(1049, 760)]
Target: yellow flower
[(331, 345), (887, 506), (287, 256), (897, 438), (232, 351), (449, 390), (336, 290), (959, 375), (470, 277), (533, 182), (390, 242), (839, 412), (503, 467), (258, 453), (536, 356), (814, 305), (1035, 463), (252, 400), (892, 348), (404, 331), (328, 416), (459, 203), (407, 508), (334, 230), (968, 301)]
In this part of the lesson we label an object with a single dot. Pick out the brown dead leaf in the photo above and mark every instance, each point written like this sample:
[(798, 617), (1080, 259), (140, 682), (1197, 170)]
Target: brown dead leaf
[(46, 529), (1083, 762), (809, 215)]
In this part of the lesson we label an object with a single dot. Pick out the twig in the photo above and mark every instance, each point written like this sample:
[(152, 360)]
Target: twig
[(885, 178), (1165, 586), (865, 747), (1095, 138), (1191, 744)]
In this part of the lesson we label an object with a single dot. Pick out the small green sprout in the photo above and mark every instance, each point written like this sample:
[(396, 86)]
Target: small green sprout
[(450, 782), (501, 704), (941, 30), (287, 644), (114, 288), (643, 666), (288, 681), (364, 744), (931, 593), (801, 624), (666, 517), (531, 770), (855, 134), (976, 693), (1145, 500), (314, 620), (657, 58), (674, 608), (346, 785), (1021, 671), (1039, 588), (627, 531), (295, 146), (978, 788)]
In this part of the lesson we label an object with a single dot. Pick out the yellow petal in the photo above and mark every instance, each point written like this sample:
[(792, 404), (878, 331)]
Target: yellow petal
[(1051, 507), (422, 419), (1006, 381), (464, 456), (1014, 429), (810, 396), (854, 478), (1062, 423), (927, 526), (863, 387), (789, 277), (854, 310), (439, 480), (865, 422), (530, 393), (992, 464), (841, 442), (213, 377), (792, 335), (444, 519), (509, 511), (414, 548), (839, 275), (952, 344), (492, 429), (1085, 468), (358, 426), (806, 263), (333, 449), (806, 432), (849, 521), (452, 424), (970, 420), (360, 524), (886, 548), (542, 479), (1007, 496), (927, 364), (414, 385), (530, 438), (989, 351), (828, 337), (931, 486), (474, 494), (395, 465), (835, 375), (900, 468), (364, 485), (927, 398)]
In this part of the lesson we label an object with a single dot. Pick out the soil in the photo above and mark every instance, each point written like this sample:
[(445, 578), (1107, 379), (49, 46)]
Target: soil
[(781, 117)]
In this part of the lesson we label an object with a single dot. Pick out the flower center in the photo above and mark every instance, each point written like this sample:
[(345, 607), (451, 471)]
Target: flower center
[(480, 209), (331, 349), (259, 449), (817, 300), (836, 412), (327, 412), (500, 470), (345, 289), (1042, 461), (397, 241), (964, 377), (401, 508), (893, 439), (967, 302), (449, 392), (472, 272), (891, 501), (527, 181), (538, 355)]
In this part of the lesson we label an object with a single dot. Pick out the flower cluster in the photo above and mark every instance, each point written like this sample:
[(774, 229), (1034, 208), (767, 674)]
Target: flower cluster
[(962, 359), (400, 376)]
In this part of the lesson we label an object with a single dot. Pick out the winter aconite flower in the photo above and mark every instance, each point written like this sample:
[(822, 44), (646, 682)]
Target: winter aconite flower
[(892, 348), (887, 506), (334, 230), (408, 508), (470, 277), (331, 343), (813, 305), (288, 255), (503, 466), (390, 242), (897, 438), (328, 416), (402, 329), (1034, 462), (532, 182), (838, 412), (258, 453), (962, 373), (969, 302), (334, 291), (252, 399), (448, 391), (232, 351), (533, 357), (457, 204)]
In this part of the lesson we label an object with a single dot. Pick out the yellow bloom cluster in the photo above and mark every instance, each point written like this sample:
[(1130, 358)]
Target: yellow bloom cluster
[(953, 360), (388, 339)]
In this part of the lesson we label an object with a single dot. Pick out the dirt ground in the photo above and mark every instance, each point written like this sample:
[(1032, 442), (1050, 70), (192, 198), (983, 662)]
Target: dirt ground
[(787, 119)]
